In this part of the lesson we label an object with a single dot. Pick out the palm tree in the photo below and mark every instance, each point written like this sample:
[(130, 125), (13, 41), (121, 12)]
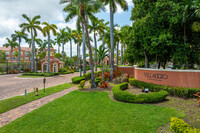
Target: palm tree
[(124, 34), (12, 44), (46, 32), (64, 37), (57, 40), (83, 5), (19, 36), (113, 7), (70, 40), (77, 36), (102, 54), (32, 26), (95, 27)]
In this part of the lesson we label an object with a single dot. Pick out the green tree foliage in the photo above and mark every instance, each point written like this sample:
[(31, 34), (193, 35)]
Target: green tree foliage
[(160, 35), (2, 56)]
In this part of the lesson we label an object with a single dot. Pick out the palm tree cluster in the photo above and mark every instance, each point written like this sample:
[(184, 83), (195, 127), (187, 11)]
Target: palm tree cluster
[(86, 24)]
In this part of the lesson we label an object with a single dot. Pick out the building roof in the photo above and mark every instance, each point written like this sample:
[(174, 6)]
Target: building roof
[(52, 59), (9, 48)]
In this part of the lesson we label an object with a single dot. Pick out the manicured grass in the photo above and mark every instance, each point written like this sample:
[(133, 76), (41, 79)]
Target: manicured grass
[(30, 76), (92, 112), (14, 102)]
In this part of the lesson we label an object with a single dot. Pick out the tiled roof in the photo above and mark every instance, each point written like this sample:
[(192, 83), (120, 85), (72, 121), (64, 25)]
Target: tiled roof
[(9, 48)]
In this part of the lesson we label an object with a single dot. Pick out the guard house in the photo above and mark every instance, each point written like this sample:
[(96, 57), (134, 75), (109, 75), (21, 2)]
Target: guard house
[(55, 63)]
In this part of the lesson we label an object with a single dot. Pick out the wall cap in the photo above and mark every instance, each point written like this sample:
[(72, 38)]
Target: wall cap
[(168, 70), (125, 66)]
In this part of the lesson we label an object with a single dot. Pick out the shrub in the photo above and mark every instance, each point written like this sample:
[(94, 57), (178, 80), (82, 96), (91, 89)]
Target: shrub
[(62, 70), (13, 72), (179, 126), (125, 96), (77, 80), (174, 91), (82, 84), (40, 74), (87, 76), (97, 81), (104, 84)]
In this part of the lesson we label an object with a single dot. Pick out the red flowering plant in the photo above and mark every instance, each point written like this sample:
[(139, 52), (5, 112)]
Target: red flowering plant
[(103, 84), (198, 97)]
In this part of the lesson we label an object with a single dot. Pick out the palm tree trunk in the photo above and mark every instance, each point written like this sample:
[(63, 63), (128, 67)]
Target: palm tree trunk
[(117, 53), (84, 57), (78, 55), (63, 50), (58, 49), (95, 45), (48, 68), (112, 39), (11, 58), (32, 55), (102, 70), (124, 51), (70, 49), (122, 54), (19, 55), (103, 43), (93, 85)]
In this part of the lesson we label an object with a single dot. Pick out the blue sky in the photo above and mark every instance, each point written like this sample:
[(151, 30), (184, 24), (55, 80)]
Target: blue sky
[(50, 11)]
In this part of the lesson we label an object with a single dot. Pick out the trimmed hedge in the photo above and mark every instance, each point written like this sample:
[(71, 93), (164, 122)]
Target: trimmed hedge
[(40, 74), (77, 80), (88, 75), (174, 91), (179, 126), (125, 96)]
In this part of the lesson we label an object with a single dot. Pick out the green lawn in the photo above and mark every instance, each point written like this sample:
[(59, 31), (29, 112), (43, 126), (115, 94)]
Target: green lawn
[(30, 76), (89, 112), (14, 102)]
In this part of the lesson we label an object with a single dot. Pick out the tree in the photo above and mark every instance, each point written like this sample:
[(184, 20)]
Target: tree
[(2, 56), (57, 40), (63, 37), (70, 40), (102, 54), (82, 6), (46, 32), (58, 55), (19, 36), (96, 26), (12, 44), (124, 35), (32, 26), (113, 7)]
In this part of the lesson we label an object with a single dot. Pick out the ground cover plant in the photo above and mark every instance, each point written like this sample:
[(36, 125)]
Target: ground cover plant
[(97, 113), (17, 101)]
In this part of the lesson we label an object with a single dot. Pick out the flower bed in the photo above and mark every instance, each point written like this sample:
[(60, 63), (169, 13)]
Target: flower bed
[(174, 91), (125, 96)]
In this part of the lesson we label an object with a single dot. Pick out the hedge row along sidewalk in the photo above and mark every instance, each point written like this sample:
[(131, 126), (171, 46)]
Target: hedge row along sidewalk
[(174, 91), (17, 101), (125, 96)]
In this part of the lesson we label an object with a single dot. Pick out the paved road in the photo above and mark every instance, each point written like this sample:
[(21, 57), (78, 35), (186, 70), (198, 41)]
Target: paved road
[(11, 86)]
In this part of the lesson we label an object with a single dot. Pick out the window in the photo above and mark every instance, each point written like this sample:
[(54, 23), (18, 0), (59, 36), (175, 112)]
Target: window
[(26, 53), (7, 53), (26, 58), (21, 53), (14, 58), (7, 58)]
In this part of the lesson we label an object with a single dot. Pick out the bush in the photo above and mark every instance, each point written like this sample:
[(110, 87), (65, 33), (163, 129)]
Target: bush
[(125, 96), (62, 70), (179, 126), (82, 84), (97, 81), (77, 80), (40, 74), (13, 72), (87, 76), (174, 91)]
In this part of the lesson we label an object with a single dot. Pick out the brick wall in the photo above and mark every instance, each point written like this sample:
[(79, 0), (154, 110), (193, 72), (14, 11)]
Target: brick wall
[(128, 70)]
